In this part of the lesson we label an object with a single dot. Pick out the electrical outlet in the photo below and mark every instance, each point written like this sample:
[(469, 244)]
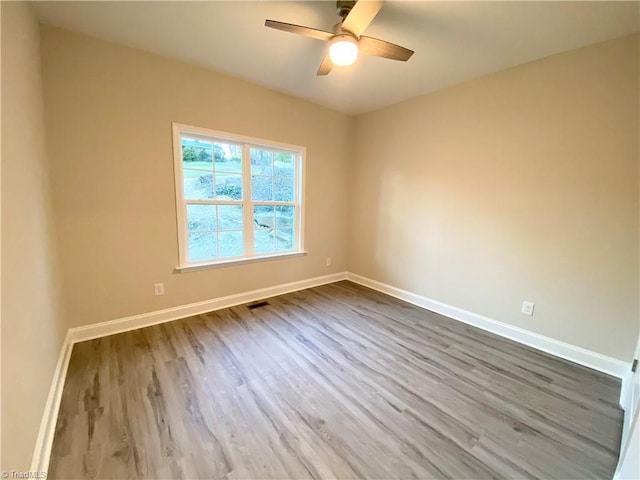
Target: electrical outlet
[(328, 262), (158, 288), (527, 308)]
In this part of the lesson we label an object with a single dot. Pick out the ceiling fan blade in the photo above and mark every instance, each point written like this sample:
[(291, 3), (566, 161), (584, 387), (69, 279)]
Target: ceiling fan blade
[(361, 15), (380, 48), (325, 66), (299, 30)]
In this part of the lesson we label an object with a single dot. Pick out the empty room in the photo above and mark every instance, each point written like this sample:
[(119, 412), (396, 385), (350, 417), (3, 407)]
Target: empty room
[(320, 239)]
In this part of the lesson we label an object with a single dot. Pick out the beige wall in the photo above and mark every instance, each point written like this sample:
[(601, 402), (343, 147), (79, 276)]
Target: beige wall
[(519, 185), (32, 329), (108, 112), (522, 185)]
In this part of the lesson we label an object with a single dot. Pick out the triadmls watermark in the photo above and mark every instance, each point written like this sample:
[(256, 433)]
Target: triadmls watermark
[(16, 474)]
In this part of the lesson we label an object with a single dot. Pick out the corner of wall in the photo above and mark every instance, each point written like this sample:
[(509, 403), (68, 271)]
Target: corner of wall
[(32, 318)]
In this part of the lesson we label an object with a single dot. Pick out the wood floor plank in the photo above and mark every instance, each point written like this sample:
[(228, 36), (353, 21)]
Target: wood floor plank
[(337, 381)]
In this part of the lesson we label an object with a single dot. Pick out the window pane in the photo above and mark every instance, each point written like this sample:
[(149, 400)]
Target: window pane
[(263, 241), (284, 239), (197, 154), (228, 186), (263, 216), (202, 246), (197, 185), (264, 222), (230, 244), (228, 157), (201, 217), (283, 164), (283, 189), (261, 162), (261, 188), (230, 217), (285, 216)]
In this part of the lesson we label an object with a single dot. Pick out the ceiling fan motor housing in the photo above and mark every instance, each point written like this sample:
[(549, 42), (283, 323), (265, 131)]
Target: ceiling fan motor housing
[(343, 7)]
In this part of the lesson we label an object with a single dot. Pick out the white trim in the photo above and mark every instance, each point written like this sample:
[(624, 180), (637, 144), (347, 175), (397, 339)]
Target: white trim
[(626, 394), (300, 173), (181, 206), (626, 403), (238, 261), (96, 330), (554, 347), (579, 355), (247, 204), (44, 442), (42, 451), (225, 137), (629, 401), (246, 143)]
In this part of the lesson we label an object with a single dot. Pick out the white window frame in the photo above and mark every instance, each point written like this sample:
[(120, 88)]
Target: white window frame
[(180, 129)]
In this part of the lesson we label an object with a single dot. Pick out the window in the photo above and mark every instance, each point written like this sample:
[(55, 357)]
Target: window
[(237, 198)]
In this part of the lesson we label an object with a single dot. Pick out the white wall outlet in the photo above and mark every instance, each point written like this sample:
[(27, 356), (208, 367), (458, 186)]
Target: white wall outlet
[(328, 262), (527, 308), (158, 288)]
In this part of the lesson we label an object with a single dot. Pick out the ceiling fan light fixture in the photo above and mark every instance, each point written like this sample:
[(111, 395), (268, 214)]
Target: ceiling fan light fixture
[(346, 41), (343, 50)]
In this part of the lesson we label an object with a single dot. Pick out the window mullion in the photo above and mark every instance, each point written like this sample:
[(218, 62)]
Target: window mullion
[(213, 202), (246, 194), (298, 212), (273, 202)]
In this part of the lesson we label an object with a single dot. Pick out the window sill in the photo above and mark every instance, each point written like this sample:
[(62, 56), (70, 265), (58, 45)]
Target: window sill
[(241, 261)]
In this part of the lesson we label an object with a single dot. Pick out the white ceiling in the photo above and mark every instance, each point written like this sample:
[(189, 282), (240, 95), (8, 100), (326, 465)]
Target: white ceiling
[(453, 41)]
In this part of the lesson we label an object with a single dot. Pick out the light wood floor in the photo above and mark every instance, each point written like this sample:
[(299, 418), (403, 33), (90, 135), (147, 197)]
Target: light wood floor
[(336, 381)]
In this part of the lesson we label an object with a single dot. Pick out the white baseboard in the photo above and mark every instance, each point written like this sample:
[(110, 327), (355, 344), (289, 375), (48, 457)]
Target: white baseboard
[(626, 403), (625, 391), (96, 330), (581, 356), (44, 441), (42, 451), (629, 398)]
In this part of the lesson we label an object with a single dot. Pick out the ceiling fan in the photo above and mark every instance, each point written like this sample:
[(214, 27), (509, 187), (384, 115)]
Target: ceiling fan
[(347, 40)]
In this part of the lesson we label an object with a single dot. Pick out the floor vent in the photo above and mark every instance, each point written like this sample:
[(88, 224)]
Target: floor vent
[(257, 305)]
